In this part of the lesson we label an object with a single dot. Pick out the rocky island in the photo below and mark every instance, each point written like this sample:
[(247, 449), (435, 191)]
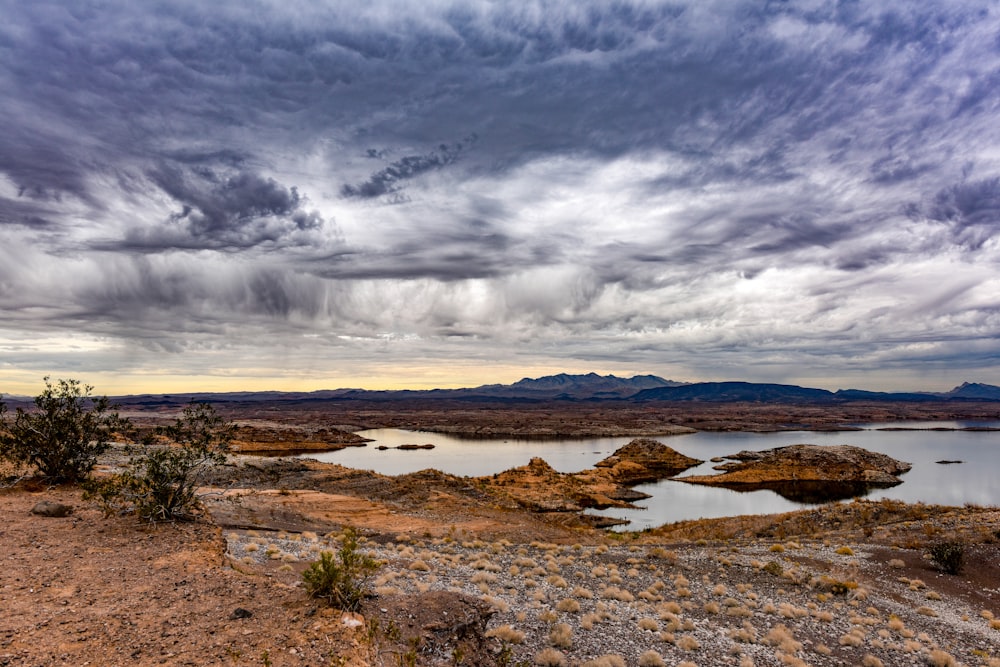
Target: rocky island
[(807, 473)]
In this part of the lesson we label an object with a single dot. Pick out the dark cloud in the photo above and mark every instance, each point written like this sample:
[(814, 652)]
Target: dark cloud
[(239, 210), (972, 210), (387, 180)]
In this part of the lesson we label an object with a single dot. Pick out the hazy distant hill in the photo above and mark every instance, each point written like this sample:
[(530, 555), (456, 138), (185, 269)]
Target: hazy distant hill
[(976, 390), (578, 387), (569, 387), (736, 391)]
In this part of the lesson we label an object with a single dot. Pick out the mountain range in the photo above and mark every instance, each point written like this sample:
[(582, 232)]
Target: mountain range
[(585, 387)]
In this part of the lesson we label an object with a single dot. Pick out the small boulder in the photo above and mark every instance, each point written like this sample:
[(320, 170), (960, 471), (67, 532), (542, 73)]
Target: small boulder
[(240, 613), (51, 508)]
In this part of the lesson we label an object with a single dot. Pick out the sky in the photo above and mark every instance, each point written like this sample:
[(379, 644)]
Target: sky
[(293, 195)]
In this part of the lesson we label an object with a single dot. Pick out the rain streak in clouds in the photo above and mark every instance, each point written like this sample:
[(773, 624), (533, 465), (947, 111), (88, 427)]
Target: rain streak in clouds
[(283, 195)]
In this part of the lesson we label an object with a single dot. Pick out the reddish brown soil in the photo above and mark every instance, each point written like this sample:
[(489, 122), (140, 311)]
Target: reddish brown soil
[(90, 590)]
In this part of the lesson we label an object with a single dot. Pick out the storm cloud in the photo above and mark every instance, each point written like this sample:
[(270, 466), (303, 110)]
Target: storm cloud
[(462, 192)]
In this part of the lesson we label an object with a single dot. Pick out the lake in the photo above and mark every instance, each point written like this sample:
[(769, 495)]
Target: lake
[(976, 480)]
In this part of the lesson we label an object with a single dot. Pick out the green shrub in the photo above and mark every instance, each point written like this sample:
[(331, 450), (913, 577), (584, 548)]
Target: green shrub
[(948, 556), (161, 482), (341, 579), (66, 433)]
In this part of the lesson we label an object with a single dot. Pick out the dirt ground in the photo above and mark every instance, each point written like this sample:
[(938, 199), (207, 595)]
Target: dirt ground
[(90, 590)]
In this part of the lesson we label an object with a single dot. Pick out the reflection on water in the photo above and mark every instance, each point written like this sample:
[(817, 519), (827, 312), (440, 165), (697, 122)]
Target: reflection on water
[(811, 492), (973, 481)]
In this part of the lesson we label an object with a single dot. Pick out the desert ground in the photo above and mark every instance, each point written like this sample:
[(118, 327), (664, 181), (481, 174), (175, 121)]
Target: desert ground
[(471, 574)]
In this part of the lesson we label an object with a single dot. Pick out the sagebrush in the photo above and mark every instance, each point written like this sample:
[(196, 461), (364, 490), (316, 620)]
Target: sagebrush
[(161, 483), (65, 433), (949, 556), (341, 578)]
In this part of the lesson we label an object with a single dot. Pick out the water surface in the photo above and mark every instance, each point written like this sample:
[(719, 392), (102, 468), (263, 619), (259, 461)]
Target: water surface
[(976, 480)]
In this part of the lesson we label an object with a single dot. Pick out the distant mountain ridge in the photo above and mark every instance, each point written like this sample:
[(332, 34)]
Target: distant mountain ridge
[(579, 387)]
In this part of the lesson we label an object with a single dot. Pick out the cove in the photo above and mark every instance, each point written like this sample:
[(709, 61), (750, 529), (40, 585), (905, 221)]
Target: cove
[(973, 481)]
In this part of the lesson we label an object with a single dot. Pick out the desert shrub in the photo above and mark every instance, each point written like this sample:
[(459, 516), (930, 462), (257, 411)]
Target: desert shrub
[(341, 578), (161, 482), (561, 636), (948, 556), (66, 433), (774, 568)]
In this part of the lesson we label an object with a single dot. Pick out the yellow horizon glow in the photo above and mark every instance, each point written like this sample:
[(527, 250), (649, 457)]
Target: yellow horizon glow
[(27, 383)]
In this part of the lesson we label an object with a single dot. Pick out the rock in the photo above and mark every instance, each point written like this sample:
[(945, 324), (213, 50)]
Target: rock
[(441, 623), (947, 462), (52, 509), (646, 460), (240, 613), (413, 447), (807, 473)]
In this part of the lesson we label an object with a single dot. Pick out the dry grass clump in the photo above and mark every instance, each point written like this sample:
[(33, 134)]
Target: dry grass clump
[(788, 610), (497, 604), (507, 633), (648, 624), (845, 551), (651, 658), (783, 638), (926, 611), (582, 593), (659, 553), (615, 593), (871, 661), (939, 658), (557, 581), (856, 637), (561, 636), (420, 566), (568, 606), (745, 635), (687, 643), (483, 578), (550, 657), (607, 660)]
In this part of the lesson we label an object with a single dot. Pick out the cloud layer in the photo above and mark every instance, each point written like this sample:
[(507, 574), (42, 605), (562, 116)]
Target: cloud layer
[(461, 192)]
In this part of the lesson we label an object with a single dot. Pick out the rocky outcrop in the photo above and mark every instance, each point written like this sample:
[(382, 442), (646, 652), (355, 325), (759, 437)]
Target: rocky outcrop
[(807, 473), (539, 487), (645, 460)]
